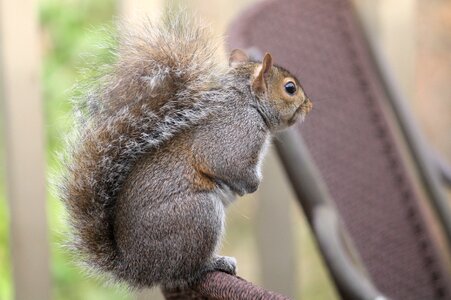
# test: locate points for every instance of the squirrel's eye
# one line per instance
(290, 87)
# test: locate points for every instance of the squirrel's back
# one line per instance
(165, 79)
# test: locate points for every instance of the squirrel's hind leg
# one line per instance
(203, 241)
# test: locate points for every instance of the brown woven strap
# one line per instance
(219, 285)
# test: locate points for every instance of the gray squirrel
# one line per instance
(166, 138)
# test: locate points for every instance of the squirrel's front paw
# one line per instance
(225, 264)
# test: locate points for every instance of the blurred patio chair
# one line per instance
(367, 158)
(367, 183)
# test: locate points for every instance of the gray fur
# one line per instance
(166, 139)
(173, 227)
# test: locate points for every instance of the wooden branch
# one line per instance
(218, 286)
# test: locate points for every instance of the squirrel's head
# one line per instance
(279, 96)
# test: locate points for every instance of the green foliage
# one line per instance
(70, 31)
(5, 266)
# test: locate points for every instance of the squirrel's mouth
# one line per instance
(305, 107)
(302, 111)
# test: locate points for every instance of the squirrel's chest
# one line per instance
(261, 155)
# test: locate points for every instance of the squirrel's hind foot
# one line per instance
(225, 264)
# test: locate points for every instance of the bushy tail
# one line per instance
(163, 80)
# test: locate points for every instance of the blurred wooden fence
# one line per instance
(24, 140)
(22, 106)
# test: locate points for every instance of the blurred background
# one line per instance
(415, 36)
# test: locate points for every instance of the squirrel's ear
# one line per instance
(262, 72)
(238, 57)
(266, 64)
